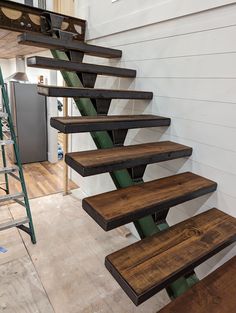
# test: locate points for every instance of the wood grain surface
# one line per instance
(41, 179)
(148, 266)
(216, 293)
(107, 160)
(119, 207)
(56, 64)
(93, 93)
(79, 124)
(48, 42)
(9, 47)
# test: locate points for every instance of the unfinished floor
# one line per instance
(64, 272)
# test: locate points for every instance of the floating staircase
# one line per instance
(162, 258)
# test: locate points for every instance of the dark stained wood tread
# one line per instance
(79, 124)
(56, 64)
(216, 293)
(48, 42)
(72, 92)
(108, 160)
(119, 207)
(146, 267)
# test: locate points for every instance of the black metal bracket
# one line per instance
(63, 35)
(160, 217)
(137, 173)
(88, 79)
(52, 24)
(102, 105)
(118, 136)
(75, 56)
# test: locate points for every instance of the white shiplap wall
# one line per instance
(186, 54)
(8, 67)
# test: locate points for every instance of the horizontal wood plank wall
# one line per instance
(189, 64)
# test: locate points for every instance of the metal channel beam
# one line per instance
(22, 18)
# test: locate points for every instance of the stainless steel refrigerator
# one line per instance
(29, 112)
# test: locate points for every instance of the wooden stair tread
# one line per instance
(56, 64)
(72, 92)
(216, 293)
(48, 42)
(144, 268)
(80, 124)
(122, 206)
(108, 160)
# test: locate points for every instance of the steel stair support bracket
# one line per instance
(102, 106)
(50, 22)
(137, 173)
(75, 56)
(145, 226)
(88, 79)
(160, 217)
(118, 136)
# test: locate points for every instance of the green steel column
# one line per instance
(145, 226)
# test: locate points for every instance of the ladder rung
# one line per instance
(3, 115)
(14, 223)
(6, 170)
(11, 197)
(6, 142)
(20, 202)
(15, 176)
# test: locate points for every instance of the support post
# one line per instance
(4, 159)
(66, 189)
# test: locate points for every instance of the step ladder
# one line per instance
(25, 223)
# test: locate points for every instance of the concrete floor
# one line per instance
(64, 272)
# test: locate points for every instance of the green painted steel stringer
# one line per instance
(145, 226)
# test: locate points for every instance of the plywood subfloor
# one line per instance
(65, 271)
(9, 47)
(41, 179)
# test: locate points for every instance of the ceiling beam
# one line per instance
(21, 18)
